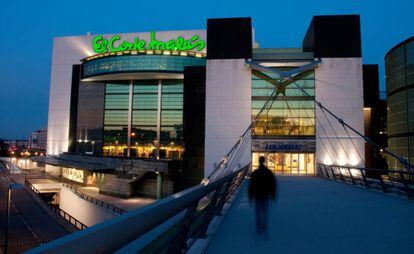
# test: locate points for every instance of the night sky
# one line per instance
(27, 29)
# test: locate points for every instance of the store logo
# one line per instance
(283, 147)
(114, 44)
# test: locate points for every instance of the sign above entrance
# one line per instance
(283, 147)
(116, 44)
(293, 146)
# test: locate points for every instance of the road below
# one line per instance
(30, 225)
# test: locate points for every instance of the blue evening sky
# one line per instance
(28, 27)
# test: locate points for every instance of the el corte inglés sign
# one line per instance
(116, 44)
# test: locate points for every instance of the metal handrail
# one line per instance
(119, 232)
(93, 200)
(72, 220)
(387, 181)
(69, 218)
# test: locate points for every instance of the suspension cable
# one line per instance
(352, 141)
(403, 161)
(225, 159)
(336, 135)
(316, 134)
(288, 75)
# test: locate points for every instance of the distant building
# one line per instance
(399, 69)
(38, 139)
(19, 144)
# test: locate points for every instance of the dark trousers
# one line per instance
(262, 215)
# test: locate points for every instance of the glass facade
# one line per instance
(290, 116)
(138, 63)
(155, 114)
(171, 133)
(399, 67)
(144, 118)
(116, 119)
(89, 124)
(287, 163)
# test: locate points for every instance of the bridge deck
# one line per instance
(314, 215)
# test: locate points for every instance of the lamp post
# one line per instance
(13, 186)
(93, 147)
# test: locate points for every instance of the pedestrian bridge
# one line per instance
(311, 215)
(316, 215)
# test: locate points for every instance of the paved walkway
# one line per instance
(315, 215)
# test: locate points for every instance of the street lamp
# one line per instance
(13, 186)
(93, 147)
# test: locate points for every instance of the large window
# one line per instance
(116, 119)
(171, 136)
(155, 118)
(144, 119)
(293, 111)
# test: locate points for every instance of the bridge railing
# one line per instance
(387, 181)
(165, 226)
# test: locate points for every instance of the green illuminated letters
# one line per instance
(114, 44)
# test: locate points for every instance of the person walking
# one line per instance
(262, 189)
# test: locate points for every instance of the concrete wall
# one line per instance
(68, 51)
(228, 109)
(147, 186)
(339, 88)
(115, 186)
(53, 170)
(84, 211)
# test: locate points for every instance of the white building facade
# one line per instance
(189, 95)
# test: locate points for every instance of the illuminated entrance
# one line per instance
(287, 163)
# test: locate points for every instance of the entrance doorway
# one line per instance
(287, 163)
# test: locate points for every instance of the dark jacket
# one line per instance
(262, 183)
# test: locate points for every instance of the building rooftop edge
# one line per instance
(409, 39)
